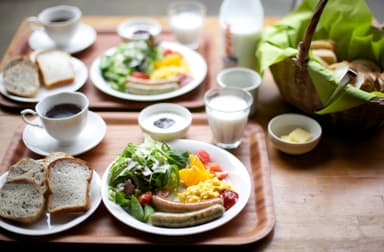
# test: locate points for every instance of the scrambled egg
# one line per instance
(204, 190)
(169, 67)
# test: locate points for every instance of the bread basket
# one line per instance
(294, 79)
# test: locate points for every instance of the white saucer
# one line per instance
(84, 37)
(38, 140)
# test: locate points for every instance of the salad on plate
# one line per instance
(144, 67)
(166, 187)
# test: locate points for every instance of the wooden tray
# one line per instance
(106, 39)
(253, 223)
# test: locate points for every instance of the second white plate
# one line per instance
(238, 177)
(81, 75)
(198, 68)
(50, 224)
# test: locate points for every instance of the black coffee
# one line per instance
(63, 110)
(60, 19)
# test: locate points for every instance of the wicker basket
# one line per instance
(296, 88)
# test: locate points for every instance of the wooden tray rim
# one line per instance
(264, 190)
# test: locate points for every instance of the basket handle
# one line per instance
(302, 58)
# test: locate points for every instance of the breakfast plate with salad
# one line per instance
(181, 187)
(142, 70)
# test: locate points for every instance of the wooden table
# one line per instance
(331, 199)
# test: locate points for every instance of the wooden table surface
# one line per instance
(331, 199)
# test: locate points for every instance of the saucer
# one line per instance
(84, 37)
(37, 139)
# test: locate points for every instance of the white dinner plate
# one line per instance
(197, 64)
(238, 177)
(83, 38)
(37, 139)
(81, 75)
(53, 224)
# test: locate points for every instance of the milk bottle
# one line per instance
(241, 25)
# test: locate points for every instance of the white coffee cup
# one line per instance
(59, 22)
(62, 115)
(241, 77)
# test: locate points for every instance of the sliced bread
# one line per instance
(21, 201)
(53, 156)
(21, 77)
(55, 68)
(29, 168)
(68, 182)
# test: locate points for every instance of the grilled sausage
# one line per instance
(187, 219)
(165, 205)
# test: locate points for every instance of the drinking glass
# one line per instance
(186, 21)
(227, 110)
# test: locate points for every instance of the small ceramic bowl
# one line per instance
(284, 124)
(134, 29)
(165, 121)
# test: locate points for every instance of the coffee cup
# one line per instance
(59, 22)
(241, 77)
(63, 115)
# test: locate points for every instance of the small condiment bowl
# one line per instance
(284, 124)
(165, 121)
(138, 28)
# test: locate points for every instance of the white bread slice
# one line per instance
(53, 156)
(21, 201)
(29, 169)
(55, 68)
(68, 185)
(21, 77)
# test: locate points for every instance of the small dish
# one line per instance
(84, 38)
(37, 139)
(137, 28)
(284, 124)
(165, 121)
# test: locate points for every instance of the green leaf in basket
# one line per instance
(350, 25)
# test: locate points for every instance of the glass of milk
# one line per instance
(227, 110)
(186, 20)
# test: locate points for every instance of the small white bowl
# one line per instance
(165, 121)
(133, 28)
(284, 124)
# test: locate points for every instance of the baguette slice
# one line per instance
(21, 201)
(68, 185)
(28, 168)
(21, 77)
(55, 68)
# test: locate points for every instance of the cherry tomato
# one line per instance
(145, 198)
(168, 52)
(140, 75)
(214, 167)
(221, 174)
(229, 197)
(203, 156)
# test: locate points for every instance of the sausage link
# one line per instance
(192, 218)
(165, 205)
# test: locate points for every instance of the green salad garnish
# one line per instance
(147, 167)
(129, 57)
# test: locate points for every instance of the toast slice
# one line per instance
(21, 201)
(55, 68)
(68, 182)
(28, 168)
(21, 77)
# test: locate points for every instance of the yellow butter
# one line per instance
(297, 135)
